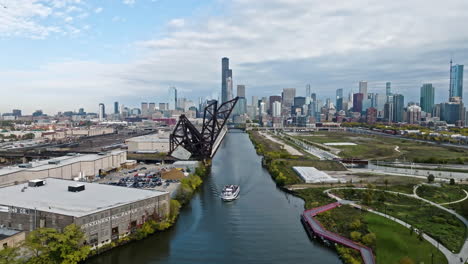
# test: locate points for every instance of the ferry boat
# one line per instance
(230, 192)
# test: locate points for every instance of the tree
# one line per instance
(355, 235)
(386, 183)
(452, 181)
(430, 178)
(369, 239)
(46, 245)
(29, 136)
(9, 255)
(420, 235)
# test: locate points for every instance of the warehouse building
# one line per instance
(85, 166)
(150, 143)
(105, 213)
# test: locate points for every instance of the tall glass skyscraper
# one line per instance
(226, 80)
(172, 98)
(388, 88)
(339, 99)
(398, 107)
(456, 81)
(427, 97)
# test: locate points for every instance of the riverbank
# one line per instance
(396, 245)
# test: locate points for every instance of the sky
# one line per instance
(61, 55)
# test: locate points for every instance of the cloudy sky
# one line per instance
(66, 54)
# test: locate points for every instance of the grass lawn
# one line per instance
(443, 194)
(462, 207)
(394, 242)
(314, 197)
(435, 222)
(378, 147)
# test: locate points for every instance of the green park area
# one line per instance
(385, 148)
(437, 223)
(390, 241)
(441, 194)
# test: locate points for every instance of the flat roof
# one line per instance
(312, 175)
(157, 138)
(54, 197)
(62, 161)
(5, 233)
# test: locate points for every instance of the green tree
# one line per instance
(452, 181)
(29, 136)
(430, 178)
(355, 235)
(46, 245)
(369, 239)
(9, 255)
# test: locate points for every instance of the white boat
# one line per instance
(230, 192)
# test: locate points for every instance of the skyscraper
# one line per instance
(276, 109)
(357, 102)
(172, 98)
(102, 112)
(339, 99)
(226, 76)
(363, 88)
(144, 109)
(388, 88)
(274, 98)
(288, 96)
(116, 108)
(456, 81)
(398, 107)
(427, 97)
(241, 90)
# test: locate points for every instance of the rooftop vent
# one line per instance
(25, 165)
(54, 162)
(76, 188)
(36, 183)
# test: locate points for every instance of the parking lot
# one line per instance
(143, 176)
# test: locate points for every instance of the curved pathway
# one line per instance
(454, 202)
(451, 257)
(315, 227)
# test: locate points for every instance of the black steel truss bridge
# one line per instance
(188, 142)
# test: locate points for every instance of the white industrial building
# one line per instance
(67, 167)
(149, 143)
(312, 175)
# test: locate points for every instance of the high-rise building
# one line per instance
(276, 109)
(453, 112)
(241, 90)
(413, 114)
(116, 108)
(427, 97)
(339, 99)
(144, 109)
(398, 107)
(163, 106)
(388, 89)
(151, 108)
(226, 74)
(102, 112)
(288, 97)
(172, 98)
(313, 96)
(371, 115)
(357, 102)
(274, 98)
(230, 85)
(456, 81)
(363, 88)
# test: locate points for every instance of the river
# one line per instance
(262, 226)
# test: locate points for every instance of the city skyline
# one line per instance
(55, 59)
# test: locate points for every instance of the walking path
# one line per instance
(459, 201)
(287, 147)
(318, 229)
(451, 257)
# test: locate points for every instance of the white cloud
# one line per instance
(272, 44)
(129, 2)
(178, 22)
(98, 10)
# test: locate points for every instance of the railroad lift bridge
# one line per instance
(188, 142)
